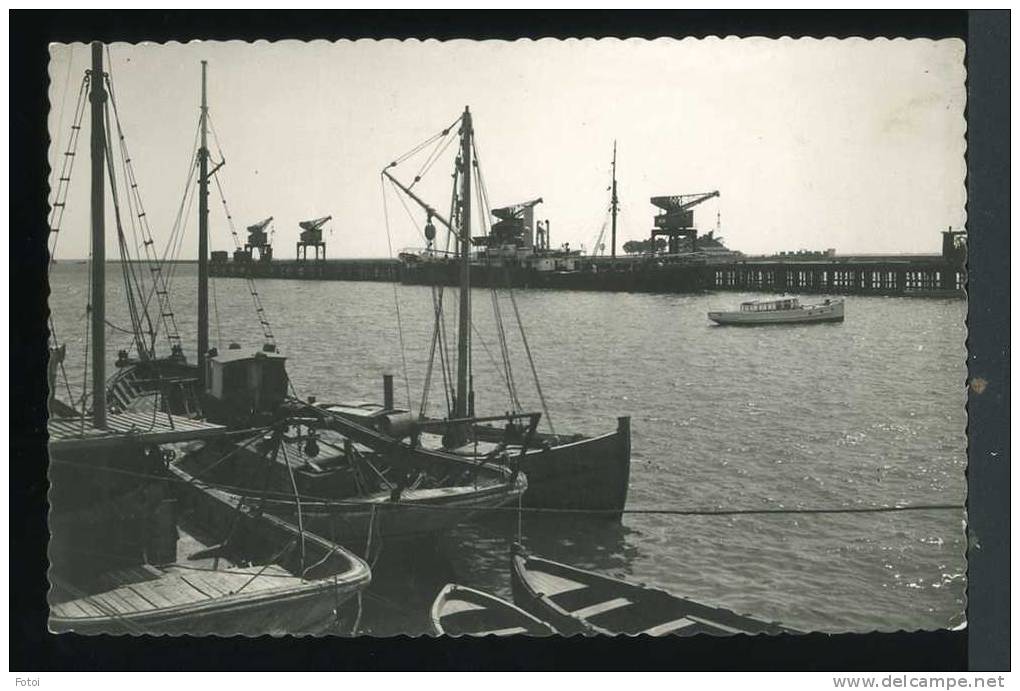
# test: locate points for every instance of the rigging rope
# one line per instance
(517, 314)
(131, 283)
(59, 203)
(260, 311)
(137, 211)
(171, 250)
(396, 295)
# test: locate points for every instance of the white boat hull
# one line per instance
(808, 314)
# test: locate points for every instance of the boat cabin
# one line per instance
(770, 305)
(244, 382)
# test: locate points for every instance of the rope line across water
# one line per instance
(665, 511)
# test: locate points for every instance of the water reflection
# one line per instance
(407, 576)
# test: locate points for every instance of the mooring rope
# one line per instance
(327, 502)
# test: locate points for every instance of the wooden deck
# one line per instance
(145, 428)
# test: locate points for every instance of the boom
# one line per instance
(314, 224)
(682, 202)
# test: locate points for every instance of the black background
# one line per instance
(987, 638)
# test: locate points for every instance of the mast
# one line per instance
(615, 204)
(98, 152)
(203, 237)
(461, 409)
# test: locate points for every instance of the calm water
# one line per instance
(865, 413)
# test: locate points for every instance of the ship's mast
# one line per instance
(615, 204)
(97, 95)
(462, 403)
(203, 236)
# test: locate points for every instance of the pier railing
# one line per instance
(921, 276)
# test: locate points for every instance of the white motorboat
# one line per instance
(783, 311)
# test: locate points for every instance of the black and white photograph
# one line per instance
(533, 338)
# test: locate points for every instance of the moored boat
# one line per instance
(462, 611)
(783, 311)
(354, 491)
(565, 471)
(573, 472)
(577, 601)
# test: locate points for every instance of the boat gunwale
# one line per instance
(443, 597)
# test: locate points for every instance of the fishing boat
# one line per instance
(136, 546)
(355, 493)
(172, 383)
(577, 601)
(462, 611)
(565, 471)
(782, 311)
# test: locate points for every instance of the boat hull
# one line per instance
(359, 525)
(591, 474)
(309, 611)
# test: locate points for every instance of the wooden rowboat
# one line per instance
(172, 558)
(577, 601)
(462, 611)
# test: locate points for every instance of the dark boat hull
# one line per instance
(591, 474)
(357, 525)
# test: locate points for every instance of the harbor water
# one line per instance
(865, 413)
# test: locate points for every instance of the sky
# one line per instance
(855, 144)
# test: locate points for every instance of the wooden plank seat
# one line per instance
(512, 631)
(579, 598)
(601, 607)
(674, 626)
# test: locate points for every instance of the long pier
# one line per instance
(905, 275)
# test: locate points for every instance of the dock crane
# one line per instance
(258, 239)
(311, 236)
(677, 219)
(516, 224)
